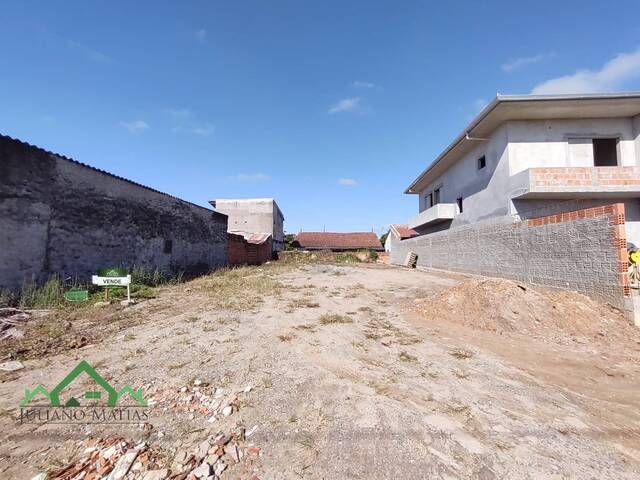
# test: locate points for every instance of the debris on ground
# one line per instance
(210, 401)
(12, 323)
(115, 458)
(11, 366)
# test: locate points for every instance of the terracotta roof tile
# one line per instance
(339, 241)
(403, 231)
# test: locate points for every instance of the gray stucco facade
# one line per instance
(58, 216)
(488, 171)
(248, 216)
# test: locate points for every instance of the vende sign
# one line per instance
(112, 278)
(111, 281)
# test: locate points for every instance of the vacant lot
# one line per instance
(342, 371)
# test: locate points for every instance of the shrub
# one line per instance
(347, 258)
(50, 295)
(373, 256)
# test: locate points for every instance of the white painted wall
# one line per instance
(566, 143)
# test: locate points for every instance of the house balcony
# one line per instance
(576, 182)
(440, 212)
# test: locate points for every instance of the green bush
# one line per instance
(347, 258)
(373, 255)
(49, 295)
(153, 277)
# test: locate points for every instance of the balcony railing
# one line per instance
(438, 213)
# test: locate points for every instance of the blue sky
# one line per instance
(331, 107)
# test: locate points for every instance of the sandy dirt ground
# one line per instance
(342, 371)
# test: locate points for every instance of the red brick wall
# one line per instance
(237, 249)
(585, 176)
(241, 252)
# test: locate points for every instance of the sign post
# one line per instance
(112, 278)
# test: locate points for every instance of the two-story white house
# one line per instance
(530, 155)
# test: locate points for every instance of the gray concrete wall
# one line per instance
(566, 143)
(518, 145)
(636, 134)
(254, 215)
(58, 216)
(536, 208)
(579, 255)
(484, 191)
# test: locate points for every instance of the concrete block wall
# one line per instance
(58, 216)
(583, 250)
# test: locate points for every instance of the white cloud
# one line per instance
(178, 113)
(201, 34)
(251, 178)
(347, 182)
(359, 84)
(346, 105)
(90, 53)
(518, 63)
(136, 126)
(204, 130)
(186, 121)
(612, 76)
(479, 104)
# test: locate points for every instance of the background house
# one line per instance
(250, 216)
(525, 156)
(397, 233)
(339, 242)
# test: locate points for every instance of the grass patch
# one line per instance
(331, 318)
(347, 258)
(303, 303)
(49, 295)
(242, 288)
(407, 357)
(175, 366)
(461, 353)
(285, 338)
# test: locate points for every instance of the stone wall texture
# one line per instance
(58, 216)
(583, 250)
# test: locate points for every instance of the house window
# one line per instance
(605, 152)
(459, 202)
(168, 245)
(428, 200)
(436, 196)
(482, 162)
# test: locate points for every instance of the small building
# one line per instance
(339, 242)
(253, 216)
(397, 233)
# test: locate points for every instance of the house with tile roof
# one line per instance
(396, 233)
(339, 242)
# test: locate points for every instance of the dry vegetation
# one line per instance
(355, 371)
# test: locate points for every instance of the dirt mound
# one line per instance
(504, 306)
